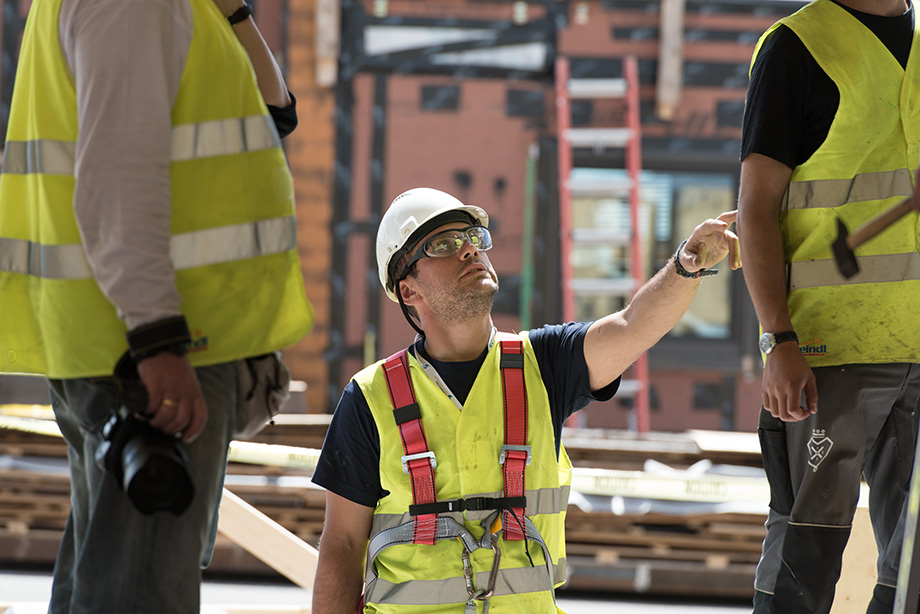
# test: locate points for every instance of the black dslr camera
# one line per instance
(149, 465)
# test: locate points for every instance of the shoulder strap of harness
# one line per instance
(515, 454)
(419, 462)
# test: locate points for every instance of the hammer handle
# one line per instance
(878, 224)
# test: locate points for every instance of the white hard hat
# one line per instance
(411, 216)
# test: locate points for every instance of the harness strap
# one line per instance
(450, 529)
(473, 504)
(533, 534)
(515, 455)
(445, 528)
(419, 462)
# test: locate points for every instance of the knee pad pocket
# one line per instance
(776, 465)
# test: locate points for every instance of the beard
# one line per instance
(461, 306)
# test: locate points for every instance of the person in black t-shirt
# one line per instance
(828, 133)
(431, 252)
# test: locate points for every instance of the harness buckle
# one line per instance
(410, 457)
(506, 449)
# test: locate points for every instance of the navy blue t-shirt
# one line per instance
(349, 463)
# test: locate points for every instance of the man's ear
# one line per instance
(408, 291)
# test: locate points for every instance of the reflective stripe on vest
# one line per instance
(514, 581)
(821, 193)
(539, 501)
(884, 268)
(189, 142)
(41, 156)
(187, 250)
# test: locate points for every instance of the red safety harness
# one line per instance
(420, 462)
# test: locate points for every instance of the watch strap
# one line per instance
(679, 268)
(240, 14)
(786, 335)
(166, 335)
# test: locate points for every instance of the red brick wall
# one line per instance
(311, 152)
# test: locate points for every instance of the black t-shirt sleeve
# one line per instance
(349, 462)
(285, 118)
(560, 352)
(791, 102)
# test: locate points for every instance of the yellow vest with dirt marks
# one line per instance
(864, 167)
(408, 578)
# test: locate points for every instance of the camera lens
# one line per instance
(155, 475)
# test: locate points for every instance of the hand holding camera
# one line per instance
(176, 405)
(150, 465)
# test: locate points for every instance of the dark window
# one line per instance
(582, 111)
(524, 103)
(440, 97)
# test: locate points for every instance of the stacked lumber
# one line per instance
(700, 555)
(614, 542)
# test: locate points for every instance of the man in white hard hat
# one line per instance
(446, 480)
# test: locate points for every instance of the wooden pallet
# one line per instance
(693, 554)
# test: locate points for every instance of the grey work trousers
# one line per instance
(865, 425)
(114, 559)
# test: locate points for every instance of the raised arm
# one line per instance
(340, 569)
(614, 342)
(268, 73)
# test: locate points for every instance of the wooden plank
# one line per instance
(670, 58)
(327, 42)
(858, 576)
(267, 540)
(906, 597)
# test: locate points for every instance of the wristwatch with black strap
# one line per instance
(240, 15)
(768, 341)
(680, 270)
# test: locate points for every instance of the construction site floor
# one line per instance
(28, 593)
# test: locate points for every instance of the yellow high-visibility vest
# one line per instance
(864, 166)
(467, 447)
(233, 241)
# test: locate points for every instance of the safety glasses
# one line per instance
(450, 242)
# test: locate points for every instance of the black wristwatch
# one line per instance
(240, 14)
(768, 341)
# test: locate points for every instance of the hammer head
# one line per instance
(843, 254)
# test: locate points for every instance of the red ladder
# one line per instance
(630, 138)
